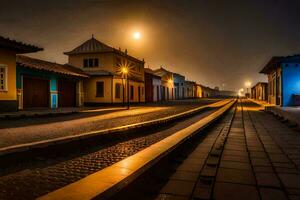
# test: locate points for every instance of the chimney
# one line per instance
(126, 51)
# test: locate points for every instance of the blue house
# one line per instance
(283, 80)
(43, 84)
(179, 84)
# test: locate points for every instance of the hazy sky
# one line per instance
(213, 42)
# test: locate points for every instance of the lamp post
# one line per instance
(248, 84)
(125, 72)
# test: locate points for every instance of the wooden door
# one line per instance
(35, 92)
(66, 93)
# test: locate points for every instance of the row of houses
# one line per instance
(95, 74)
(283, 86)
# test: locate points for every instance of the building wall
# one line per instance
(274, 87)
(89, 88)
(190, 89)
(149, 87)
(106, 61)
(53, 81)
(259, 92)
(179, 84)
(169, 86)
(156, 89)
(8, 98)
(290, 82)
(199, 91)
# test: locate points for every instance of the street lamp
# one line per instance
(247, 84)
(125, 72)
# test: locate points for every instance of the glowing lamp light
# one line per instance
(136, 35)
(248, 84)
(124, 70)
(170, 81)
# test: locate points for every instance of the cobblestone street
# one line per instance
(37, 180)
(22, 131)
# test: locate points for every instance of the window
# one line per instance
(100, 89)
(85, 63)
(3, 78)
(118, 91)
(90, 62)
(96, 62)
(131, 92)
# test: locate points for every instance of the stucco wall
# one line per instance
(106, 61)
(290, 81)
(8, 59)
(89, 88)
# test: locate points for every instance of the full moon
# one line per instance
(136, 35)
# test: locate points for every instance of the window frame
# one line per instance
(131, 92)
(96, 62)
(5, 78)
(97, 94)
(118, 92)
(85, 63)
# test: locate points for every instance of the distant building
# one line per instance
(167, 82)
(43, 84)
(179, 83)
(206, 91)
(260, 91)
(153, 86)
(190, 89)
(104, 65)
(283, 80)
(8, 88)
(198, 91)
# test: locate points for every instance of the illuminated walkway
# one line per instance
(260, 159)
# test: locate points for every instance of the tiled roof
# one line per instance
(18, 47)
(259, 83)
(90, 46)
(95, 46)
(100, 73)
(33, 63)
(277, 60)
(162, 72)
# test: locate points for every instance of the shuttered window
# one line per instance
(90, 62)
(3, 78)
(131, 92)
(100, 89)
(118, 90)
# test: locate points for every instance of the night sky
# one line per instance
(213, 42)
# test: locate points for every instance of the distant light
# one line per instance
(247, 84)
(136, 35)
(170, 81)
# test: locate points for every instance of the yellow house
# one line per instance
(108, 68)
(8, 91)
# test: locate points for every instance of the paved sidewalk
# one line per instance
(258, 158)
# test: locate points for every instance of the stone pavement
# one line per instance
(14, 132)
(258, 157)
